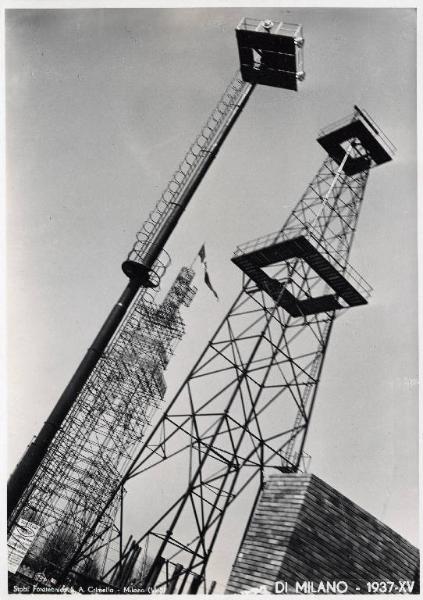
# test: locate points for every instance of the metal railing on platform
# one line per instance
(328, 251)
(289, 29)
(361, 115)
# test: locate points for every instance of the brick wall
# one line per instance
(303, 530)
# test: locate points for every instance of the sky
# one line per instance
(101, 106)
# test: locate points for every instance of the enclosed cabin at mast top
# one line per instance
(309, 239)
(270, 53)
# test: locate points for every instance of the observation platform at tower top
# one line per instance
(270, 53)
(371, 147)
(348, 286)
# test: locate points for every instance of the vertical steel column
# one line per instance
(174, 579)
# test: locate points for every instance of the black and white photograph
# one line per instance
(211, 293)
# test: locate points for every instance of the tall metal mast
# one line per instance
(270, 54)
(246, 404)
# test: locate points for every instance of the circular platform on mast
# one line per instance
(140, 273)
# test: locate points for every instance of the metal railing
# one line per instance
(361, 115)
(332, 255)
(282, 28)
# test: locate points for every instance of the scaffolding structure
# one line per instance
(246, 405)
(91, 452)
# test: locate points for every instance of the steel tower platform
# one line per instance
(371, 144)
(348, 285)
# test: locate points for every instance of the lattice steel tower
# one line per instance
(247, 402)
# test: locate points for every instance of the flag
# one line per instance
(208, 283)
(202, 255)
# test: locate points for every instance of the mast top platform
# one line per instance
(371, 145)
(270, 53)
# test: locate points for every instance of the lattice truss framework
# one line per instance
(101, 433)
(246, 404)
